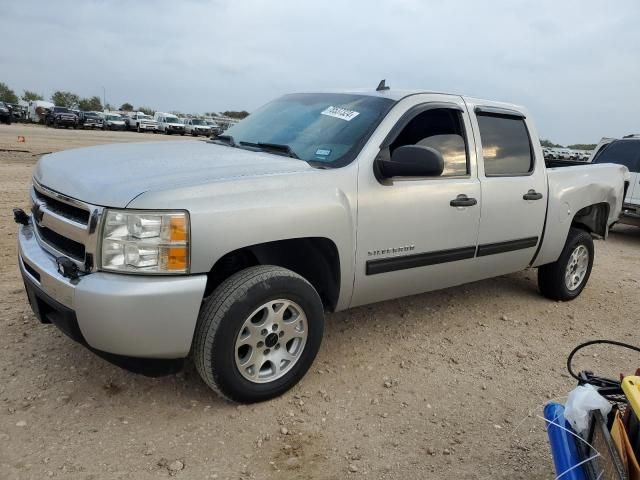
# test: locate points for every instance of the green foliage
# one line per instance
(234, 114)
(126, 107)
(583, 146)
(146, 110)
(63, 98)
(29, 96)
(6, 94)
(90, 104)
(549, 144)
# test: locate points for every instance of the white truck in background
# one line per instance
(141, 122)
(169, 123)
(38, 110)
(624, 151)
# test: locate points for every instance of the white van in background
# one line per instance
(37, 110)
(169, 123)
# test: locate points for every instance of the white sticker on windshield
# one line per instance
(341, 113)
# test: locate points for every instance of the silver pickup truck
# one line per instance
(230, 251)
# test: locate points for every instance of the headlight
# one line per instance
(145, 242)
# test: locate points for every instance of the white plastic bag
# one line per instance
(582, 400)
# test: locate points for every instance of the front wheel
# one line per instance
(566, 277)
(258, 333)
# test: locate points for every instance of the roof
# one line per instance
(398, 94)
(392, 94)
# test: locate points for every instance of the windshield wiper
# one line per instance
(272, 148)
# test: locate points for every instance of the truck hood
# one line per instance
(113, 175)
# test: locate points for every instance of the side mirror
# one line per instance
(413, 161)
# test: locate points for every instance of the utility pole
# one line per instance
(104, 98)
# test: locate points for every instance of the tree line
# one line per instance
(575, 146)
(63, 98)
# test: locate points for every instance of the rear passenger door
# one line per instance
(514, 189)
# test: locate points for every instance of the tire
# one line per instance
(233, 308)
(552, 279)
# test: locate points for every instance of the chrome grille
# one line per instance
(65, 226)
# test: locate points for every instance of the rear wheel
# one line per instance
(566, 278)
(258, 333)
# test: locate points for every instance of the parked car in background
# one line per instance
(38, 110)
(231, 251)
(215, 128)
(625, 151)
(90, 120)
(61, 117)
(6, 114)
(196, 126)
(141, 122)
(18, 110)
(113, 121)
(169, 123)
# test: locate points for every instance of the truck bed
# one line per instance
(563, 163)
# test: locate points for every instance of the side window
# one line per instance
(443, 130)
(506, 147)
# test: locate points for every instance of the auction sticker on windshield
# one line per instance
(341, 113)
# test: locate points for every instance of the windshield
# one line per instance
(197, 122)
(144, 117)
(114, 117)
(172, 120)
(327, 128)
(61, 110)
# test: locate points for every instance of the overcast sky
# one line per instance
(574, 64)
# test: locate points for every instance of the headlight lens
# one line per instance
(145, 242)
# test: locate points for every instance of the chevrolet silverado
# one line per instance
(231, 251)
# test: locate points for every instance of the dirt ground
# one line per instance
(445, 385)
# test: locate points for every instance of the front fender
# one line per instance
(229, 215)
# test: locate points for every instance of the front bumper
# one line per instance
(148, 126)
(127, 315)
(65, 121)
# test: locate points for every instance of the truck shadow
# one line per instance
(179, 393)
(626, 234)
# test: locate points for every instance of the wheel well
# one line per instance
(316, 259)
(593, 219)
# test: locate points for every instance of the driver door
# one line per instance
(412, 235)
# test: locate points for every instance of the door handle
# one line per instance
(463, 201)
(532, 195)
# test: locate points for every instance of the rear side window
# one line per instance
(623, 152)
(506, 147)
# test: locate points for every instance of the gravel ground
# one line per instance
(444, 385)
